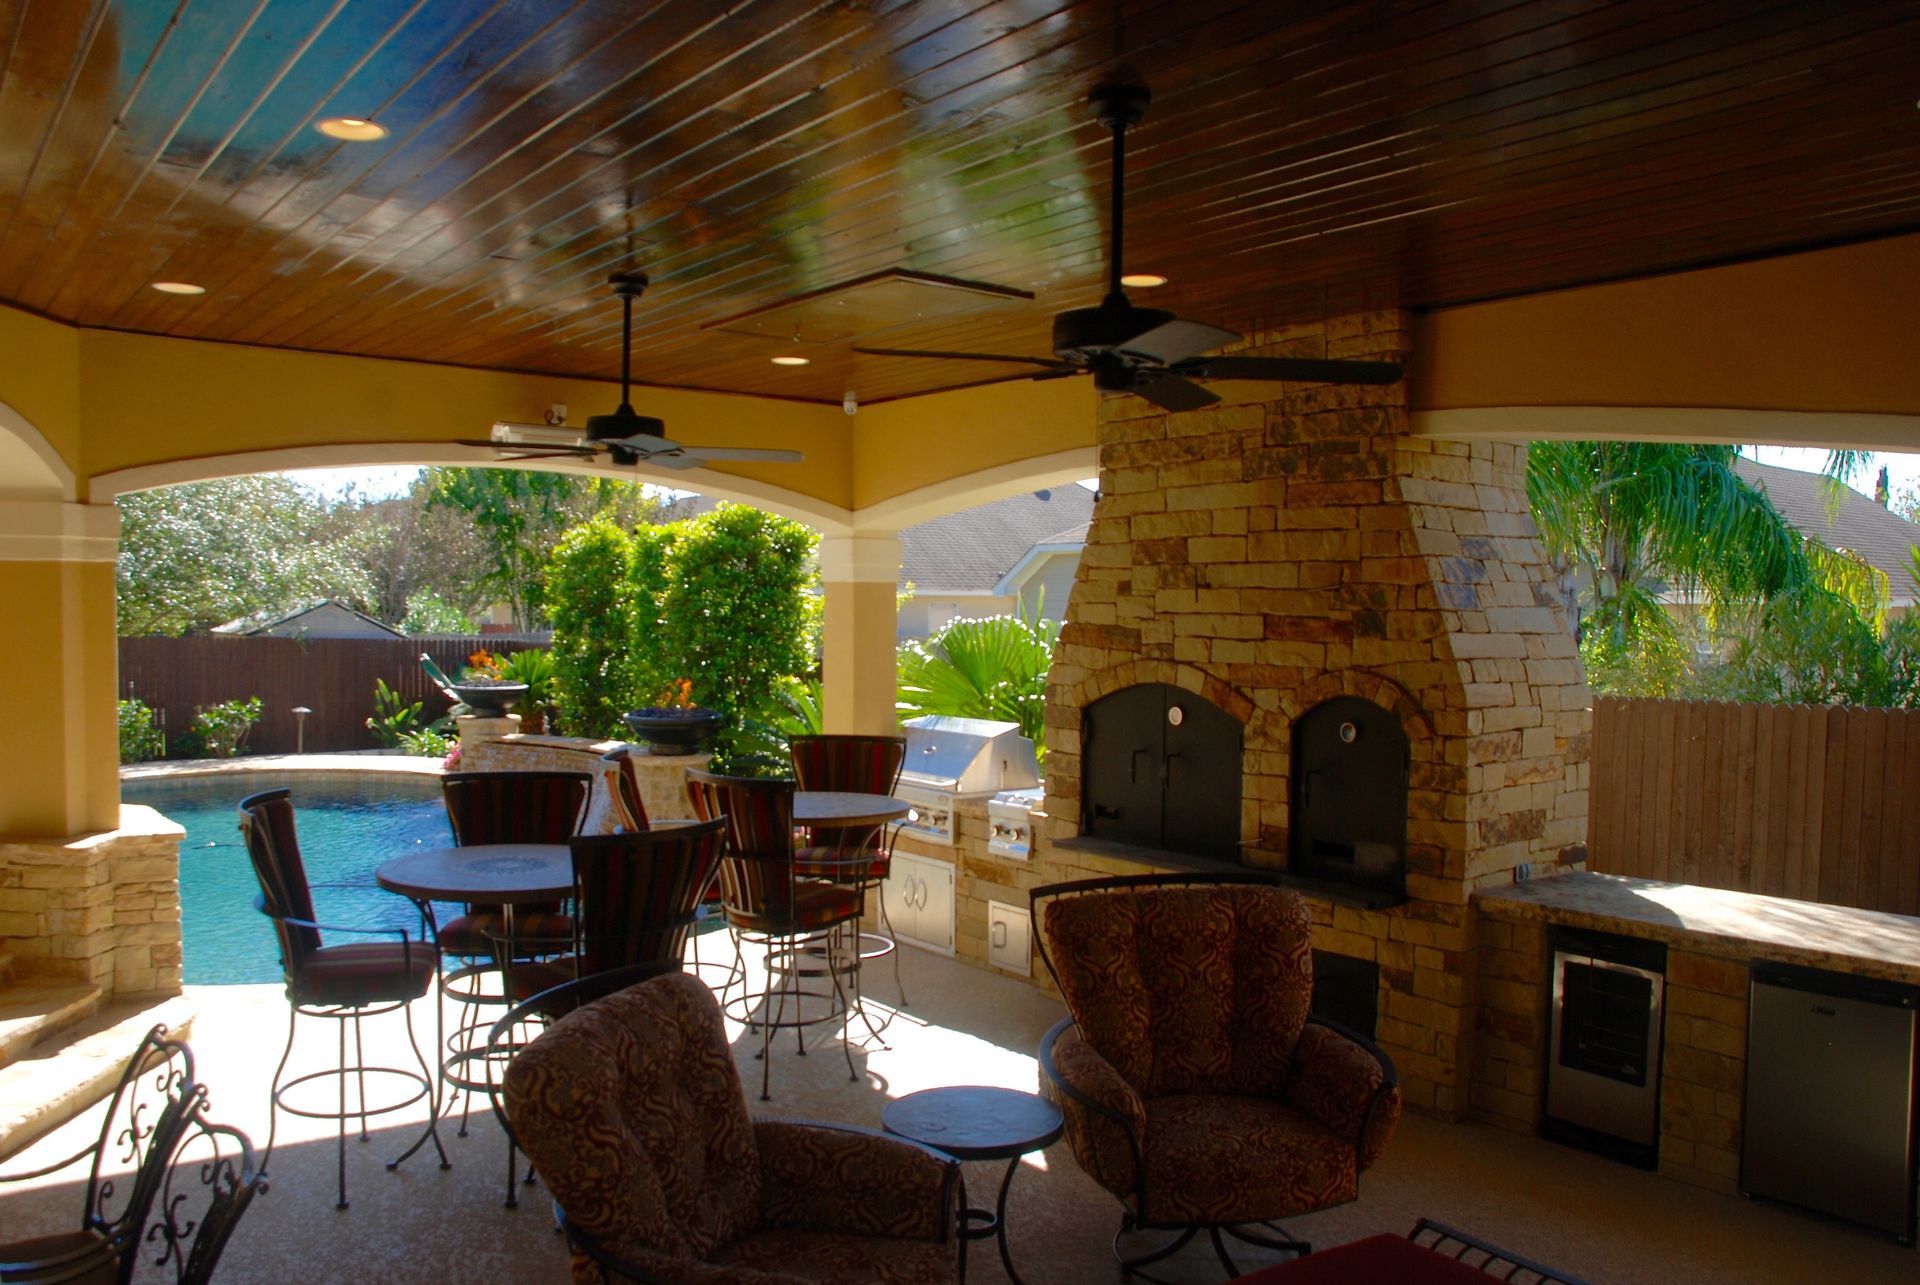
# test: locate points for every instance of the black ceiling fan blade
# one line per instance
(1060, 371)
(1176, 341)
(1173, 392)
(1301, 369)
(1048, 362)
(526, 450)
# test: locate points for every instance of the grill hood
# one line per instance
(968, 755)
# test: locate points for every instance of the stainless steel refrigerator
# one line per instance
(1830, 1095)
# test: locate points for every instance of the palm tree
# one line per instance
(1629, 519)
(993, 667)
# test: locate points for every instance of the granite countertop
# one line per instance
(1867, 943)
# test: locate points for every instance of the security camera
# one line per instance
(850, 403)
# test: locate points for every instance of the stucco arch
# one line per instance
(105, 487)
(968, 490)
(30, 469)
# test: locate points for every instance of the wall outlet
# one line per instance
(1523, 872)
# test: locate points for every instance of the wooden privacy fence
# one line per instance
(331, 676)
(1820, 803)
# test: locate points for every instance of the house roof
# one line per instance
(1071, 540)
(1856, 524)
(969, 551)
(246, 626)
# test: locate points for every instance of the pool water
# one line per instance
(348, 825)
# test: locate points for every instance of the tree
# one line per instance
(200, 554)
(993, 667)
(428, 613)
(519, 516)
(1784, 617)
(412, 550)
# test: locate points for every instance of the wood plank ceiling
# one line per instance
(1298, 159)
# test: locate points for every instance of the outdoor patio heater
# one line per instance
(951, 759)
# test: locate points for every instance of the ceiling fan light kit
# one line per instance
(624, 435)
(1150, 351)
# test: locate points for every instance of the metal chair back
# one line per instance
(623, 782)
(636, 895)
(273, 845)
(756, 872)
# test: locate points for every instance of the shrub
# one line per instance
(393, 715)
(590, 600)
(654, 663)
(222, 729)
(140, 738)
(534, 667)
(426, 743)
(737, 614)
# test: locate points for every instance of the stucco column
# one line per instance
(859, 574)
(59, 766)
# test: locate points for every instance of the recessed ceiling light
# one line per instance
(1143, 280)
(178, 287)
(792, 361)
(351, 128)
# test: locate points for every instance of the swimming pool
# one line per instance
(349, 823)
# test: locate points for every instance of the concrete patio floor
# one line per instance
(1594, 1218)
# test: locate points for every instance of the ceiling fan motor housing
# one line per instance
(1082, 334)
(622, 424)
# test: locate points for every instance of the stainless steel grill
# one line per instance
(949, 759)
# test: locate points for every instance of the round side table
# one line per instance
(976, 1122)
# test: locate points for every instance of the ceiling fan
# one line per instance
(1150, 351)
(624, 436)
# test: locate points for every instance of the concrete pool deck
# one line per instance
(349, 762)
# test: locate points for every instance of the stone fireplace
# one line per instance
(1365, 605)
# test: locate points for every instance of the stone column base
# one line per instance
(101, 909)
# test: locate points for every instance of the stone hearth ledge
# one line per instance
(1864, 943)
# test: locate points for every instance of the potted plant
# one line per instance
(674, 724)
(534, 667)
(484, 690)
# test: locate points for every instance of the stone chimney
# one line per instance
(1295, 544)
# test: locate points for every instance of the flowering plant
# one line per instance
(482, 664)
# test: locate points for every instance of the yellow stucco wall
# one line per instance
(40, 378)
(920, 442)
(1831, 330)
(147, 400)
(62, 777)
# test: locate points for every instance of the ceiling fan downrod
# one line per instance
(1118, 107)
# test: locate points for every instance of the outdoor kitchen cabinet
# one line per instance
(919, 897)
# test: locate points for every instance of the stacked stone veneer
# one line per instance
(1270, 554)
(99, 909)
(497, 745)
(1703, 1059)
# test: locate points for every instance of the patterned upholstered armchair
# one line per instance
(1195, 1084)
(633, 1113)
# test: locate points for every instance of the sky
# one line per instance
(1903, 471)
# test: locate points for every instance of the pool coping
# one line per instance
(345, 764)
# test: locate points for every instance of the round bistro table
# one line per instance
(976, 1122)
(505, 874)
(850, 810)
(833, 808)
